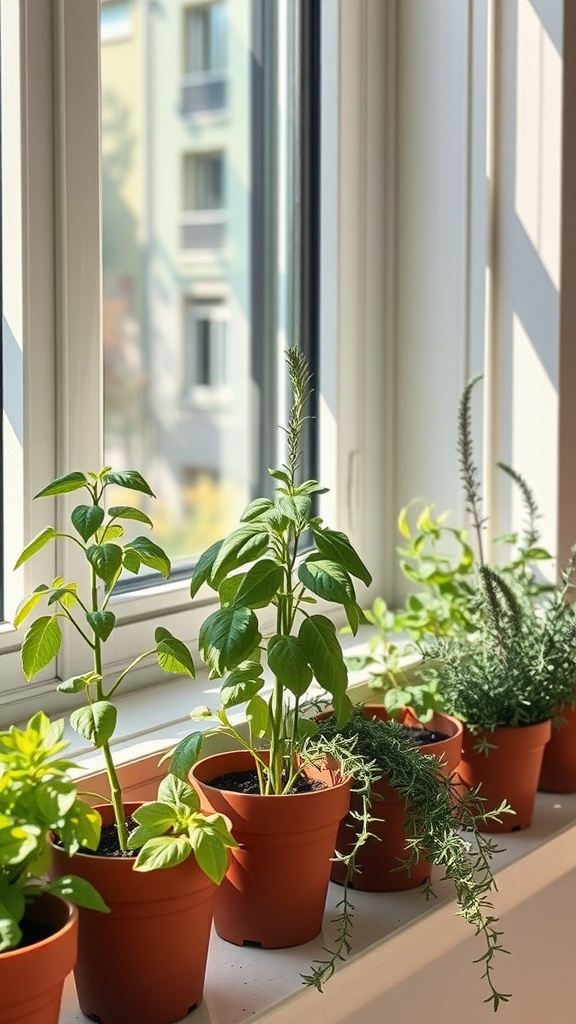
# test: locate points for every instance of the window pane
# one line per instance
(190, 278)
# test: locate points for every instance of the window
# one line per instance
(204, 82)
(206, 350)
(204, 216)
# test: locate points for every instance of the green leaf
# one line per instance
(185, 755)
(227, 637)
(537, 554)
(96, 723)
(78, 891)
(243, 545)
(202, 572)
(156, 818)
(41, 644)
(63, 485)
(296, 509)
(86, 519)
(178, 793)
(209, 850)
(335, 546)
(28, 604)
(258, 715)
(279, 474)
(130, 479)
(151, 555)
(76, 684)
(163, 852)
(288, 661)
(40, 540)
(173, 655)
(102, 623)
(131, 561)
(128, 512)
(327, 579)
(324, 654)
(241, 685)
(256, 509)
(112, 532)
(106, 560)
(260, 584)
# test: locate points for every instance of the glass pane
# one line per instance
(191, 337)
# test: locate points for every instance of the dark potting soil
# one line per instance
(108, 845)
(32, 932)
(421, 736)
(247, 783)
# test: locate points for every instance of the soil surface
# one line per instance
(32, 932)
(108, 845)
(247, 783)
(420, 735)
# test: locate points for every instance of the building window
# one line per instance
(115, 20)
(206, 340)
(204, 83)
(204, 216)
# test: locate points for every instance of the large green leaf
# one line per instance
(79, 891)
(156, 817)
(241, 684)
(102, 623)
(209, 850)
(336, 547)
(258, 715)
(260, 584)
(287, 658)
(243, 545)
(87, 519)
(185, 755)
(324, 654)
(96, 722)
(29, 603)
(256, 509)
(106, 559)
(178, 793)
(227, 637)
(202, 571)
(128, 512)
(296, 508)
(42, 538)
(130, 479)
(41, 644)
(327, 579)
(76, 684)
(173, 655)
(150, 554)
(163, 852)
(63, 485)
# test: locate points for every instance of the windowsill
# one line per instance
(395, 935)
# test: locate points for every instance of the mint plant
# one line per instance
(99, 533)
(283, 557)
(37, 797)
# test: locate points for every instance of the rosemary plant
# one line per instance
(437, 813)
(288, 581)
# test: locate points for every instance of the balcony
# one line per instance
(202, 230)
(203, 92)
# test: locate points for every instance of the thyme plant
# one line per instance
(293, 561)
(437, 815)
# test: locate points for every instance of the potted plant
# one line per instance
(410, 816)
(152, 947)
(38, 924)
(507, 678)
(281, 558)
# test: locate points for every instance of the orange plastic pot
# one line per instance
(145, 961)
(275, 889)
(32, 978)
(380, 859)
(558, 772)
(509, 771)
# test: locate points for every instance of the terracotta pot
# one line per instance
(145, 961)
(381, 857)
(275, 890)
(509, 772)
(558, 773)
(31, 979)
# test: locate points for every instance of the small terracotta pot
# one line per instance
(145, 961)
(275, 890)
(509, 771)
(32, 978)
(558, 773)
(381, 857)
